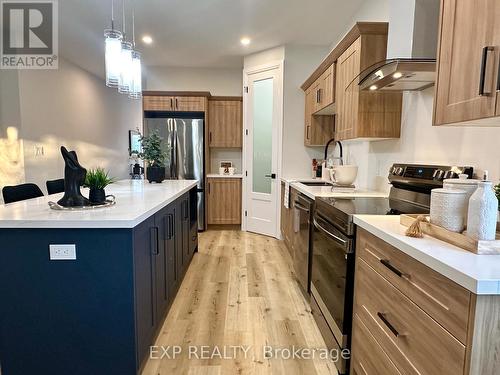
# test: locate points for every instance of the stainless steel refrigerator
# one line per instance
(183, 136)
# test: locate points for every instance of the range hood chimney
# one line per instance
(411, 49)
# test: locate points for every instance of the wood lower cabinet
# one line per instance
(468, 63)
(408, 319)
(225, 122)
(224, 200)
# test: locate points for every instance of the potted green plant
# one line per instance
(96, 180)
(153, 154)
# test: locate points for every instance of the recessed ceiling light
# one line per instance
(373, 87)
(147, 39)
(245, 41)
(397, 75)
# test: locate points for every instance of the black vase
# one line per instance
(97, 196)
(155, 174)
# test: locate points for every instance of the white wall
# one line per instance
(421, 142)
(73, 107)
(300, 62)
(11, 146)
(219, 82)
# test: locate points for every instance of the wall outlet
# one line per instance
(62, 252)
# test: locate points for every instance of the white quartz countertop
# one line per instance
(327, 191)
(215, 175)
(136, 200)
(478, 273)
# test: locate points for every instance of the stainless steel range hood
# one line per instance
(411, 49)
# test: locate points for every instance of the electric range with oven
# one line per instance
(333, 244)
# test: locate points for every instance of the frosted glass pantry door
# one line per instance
(263, 114)
(262, 135)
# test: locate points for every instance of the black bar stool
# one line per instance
(55, 186)
(20, 192)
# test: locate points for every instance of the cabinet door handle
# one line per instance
(209, 137)
(498, 78)
(186, 213)
(209, 188)
(176, 104)
(153, 234)
(168, 227)
(484, 62)
(307, 132)
(171, 103)
(388, 324)
(386, 263)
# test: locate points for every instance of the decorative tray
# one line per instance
(457, 239)
(110, 201)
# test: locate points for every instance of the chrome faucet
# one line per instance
(341, 157)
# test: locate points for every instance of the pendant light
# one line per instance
(113, 47)
(136, 71)
(126, 61)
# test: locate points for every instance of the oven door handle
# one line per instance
(330, 234)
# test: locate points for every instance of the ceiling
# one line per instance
(201, 33)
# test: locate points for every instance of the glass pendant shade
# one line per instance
(136, 75)
(113, 53)
(126, 68)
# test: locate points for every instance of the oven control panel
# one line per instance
(433, 174)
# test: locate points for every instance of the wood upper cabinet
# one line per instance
(224, 200)
(362, 114)
(333, 89)
(326, 89)
(318, 129)
(468, 62)
(190, 103)
(158, 103)
(225, 123)
(174, 103)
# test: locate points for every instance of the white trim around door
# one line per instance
(262, 148)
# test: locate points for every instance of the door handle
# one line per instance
(484, 62)
(171, 103)
(176, 104)
(272, 175)
(210, 138)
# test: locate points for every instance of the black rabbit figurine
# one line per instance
(74, 177)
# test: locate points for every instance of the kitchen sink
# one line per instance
(316, 183)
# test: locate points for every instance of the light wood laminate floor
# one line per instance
(238, 290)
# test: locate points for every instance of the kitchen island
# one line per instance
(99, 309)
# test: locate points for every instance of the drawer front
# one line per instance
(445, 301)
(411, 338)
(368, 358)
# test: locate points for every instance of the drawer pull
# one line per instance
(386, 263)
(389, 325)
